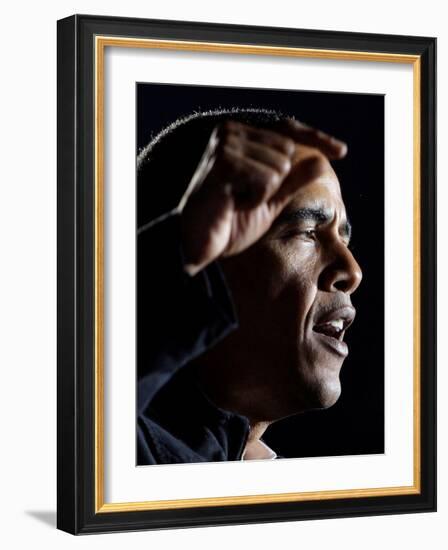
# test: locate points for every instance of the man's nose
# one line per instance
(342, 272)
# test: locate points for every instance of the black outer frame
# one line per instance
(75, 380)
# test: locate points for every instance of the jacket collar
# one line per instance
(189, 427)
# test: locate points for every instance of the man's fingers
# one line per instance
(285, 136)
(301, 133)
(249, 181)
(261, 153)
(305, 171)
(254, 164)
(282, 143)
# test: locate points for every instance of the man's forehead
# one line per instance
(323, 194)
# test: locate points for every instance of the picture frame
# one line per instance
(82, 202)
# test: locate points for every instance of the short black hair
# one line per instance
(166, 165)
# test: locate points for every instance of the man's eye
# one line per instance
(308, 234)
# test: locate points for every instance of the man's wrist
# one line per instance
(194, 259)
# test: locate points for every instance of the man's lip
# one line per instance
(336, 346)
(346, 313)
(321, 330)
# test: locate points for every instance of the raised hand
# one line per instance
(244, 180)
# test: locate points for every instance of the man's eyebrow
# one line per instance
(319, 215)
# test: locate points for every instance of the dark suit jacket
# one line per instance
(178, 318)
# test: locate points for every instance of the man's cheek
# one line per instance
(298, 277)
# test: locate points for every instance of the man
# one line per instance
(243, 287)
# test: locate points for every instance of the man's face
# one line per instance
(292, 294)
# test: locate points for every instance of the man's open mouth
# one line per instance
(334, 328)
(333, 325)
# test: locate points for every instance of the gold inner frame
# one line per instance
(101, 42)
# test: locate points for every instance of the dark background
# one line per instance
(355, 424)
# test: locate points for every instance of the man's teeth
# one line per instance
(334, 328)
(331, 328)
(338, 324)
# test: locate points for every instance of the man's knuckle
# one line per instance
(271, 178)
(287, 145)
(284, 165)
(315, 164)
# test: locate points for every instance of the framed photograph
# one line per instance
(246, 274)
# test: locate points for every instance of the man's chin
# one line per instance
(326, 394)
